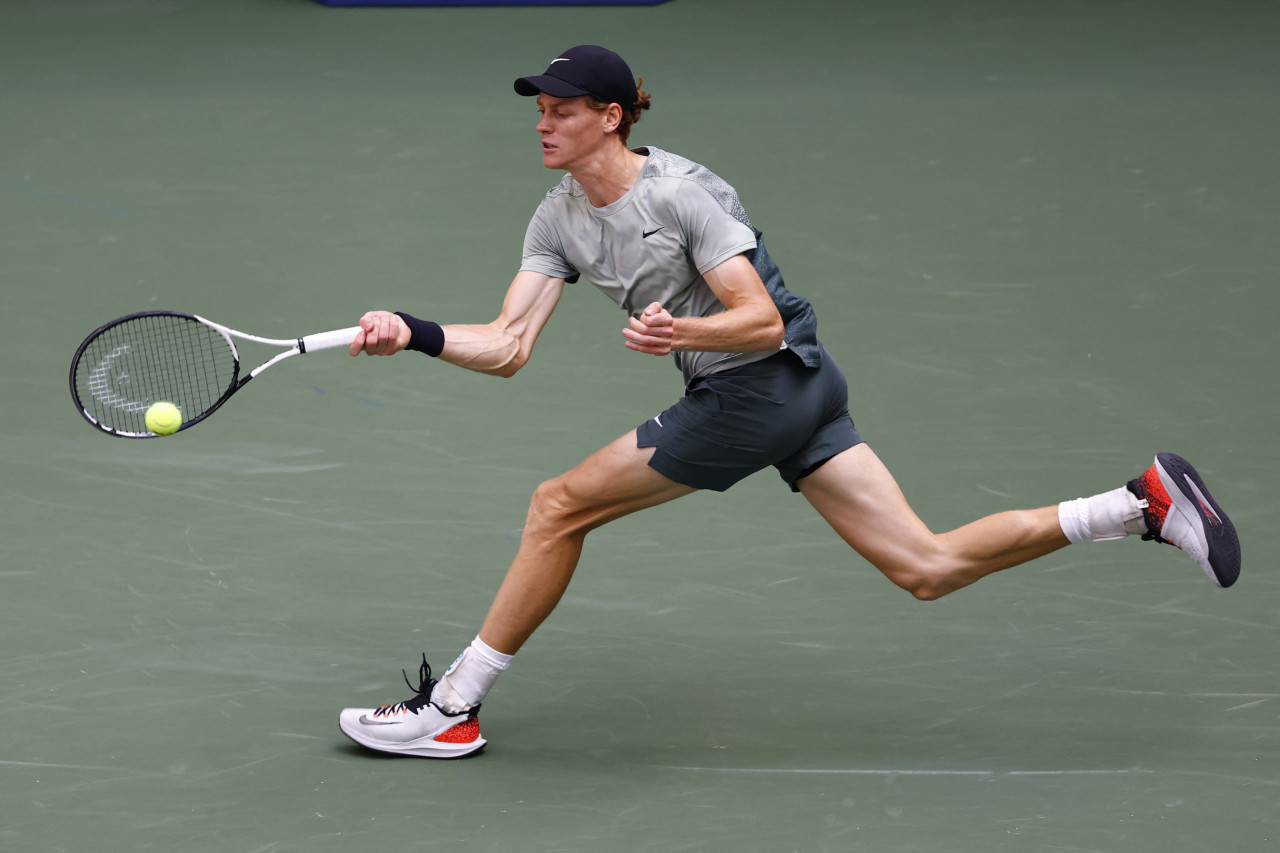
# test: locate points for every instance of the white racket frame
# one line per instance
(297, 346)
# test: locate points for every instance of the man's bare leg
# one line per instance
(859, 498)
(612, 482)
(440, 722)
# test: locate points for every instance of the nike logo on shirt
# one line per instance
(647, 234)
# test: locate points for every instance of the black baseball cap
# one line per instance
(587, 69)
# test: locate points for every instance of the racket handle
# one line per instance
(328, 340)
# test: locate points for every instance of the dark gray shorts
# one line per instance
(772, 412)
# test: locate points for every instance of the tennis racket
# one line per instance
(127, 365)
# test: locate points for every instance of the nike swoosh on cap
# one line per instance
(561, 59)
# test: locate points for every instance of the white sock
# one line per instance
(1073, 516)
(468, 680)
(1110, 515)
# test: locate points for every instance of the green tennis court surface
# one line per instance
(1041, 243)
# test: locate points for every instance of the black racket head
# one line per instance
(155, 356)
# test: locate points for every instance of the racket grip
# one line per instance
(328, 340)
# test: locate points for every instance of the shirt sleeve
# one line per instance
(712, 234)
(543, 251)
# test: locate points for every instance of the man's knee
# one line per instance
(924, 587)
(925, 579)
(552, 509)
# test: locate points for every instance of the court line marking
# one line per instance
(50, 766)
(853, 771)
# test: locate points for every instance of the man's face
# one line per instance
(571, 131)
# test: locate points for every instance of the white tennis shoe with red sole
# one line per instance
(417, 727)
(1179, 511)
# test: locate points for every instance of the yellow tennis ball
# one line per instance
(163, 418)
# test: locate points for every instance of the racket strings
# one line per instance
(151, 358)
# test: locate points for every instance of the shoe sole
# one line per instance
(423, 747)
(1190, 497)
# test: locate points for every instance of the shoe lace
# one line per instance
(423, 692)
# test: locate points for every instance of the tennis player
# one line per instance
(671, 244)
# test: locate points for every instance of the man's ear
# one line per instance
(612, 118)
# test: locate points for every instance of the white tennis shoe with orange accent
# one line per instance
(1179, 511)
(417, 727)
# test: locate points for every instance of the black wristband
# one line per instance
(424, 335)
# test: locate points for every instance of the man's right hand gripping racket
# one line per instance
(130, 364)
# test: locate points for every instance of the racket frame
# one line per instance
(295, 346)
